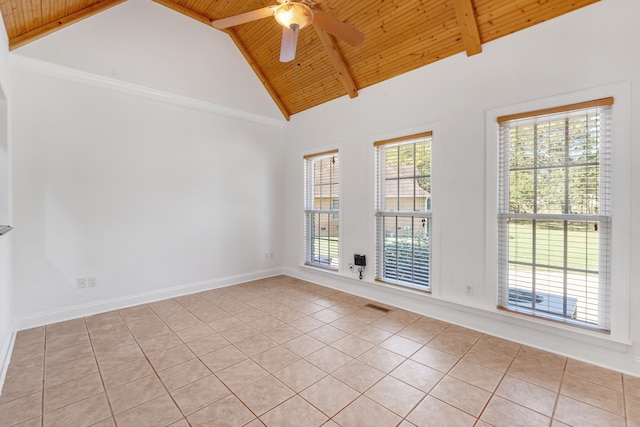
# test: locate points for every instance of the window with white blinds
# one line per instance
(554, 213)
(322, 209)
(403, 210)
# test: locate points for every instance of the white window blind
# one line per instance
(554, 213)
(322, 209)
(403, 210)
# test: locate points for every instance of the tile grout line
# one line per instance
(404, 418)
(297, 394)
(69, 381)
(388, 374)
(246, 320)
(146, 358)
(113, 418)
(104, 386)
(155, 371)
(624, 403)
(197, 357)
(450, 369)
(504, 374)
(558, 392)
(44, 373)
(231, 392)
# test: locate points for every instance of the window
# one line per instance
(322, 209)
(554, 213)
(403, 210)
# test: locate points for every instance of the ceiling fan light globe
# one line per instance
(293, 13)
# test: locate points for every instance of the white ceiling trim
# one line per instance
(66, 73)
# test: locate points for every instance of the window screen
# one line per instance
(554, 216)
(403, 211)
(322, 210)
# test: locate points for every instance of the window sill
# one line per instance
(496, 318)
(404, 286)
(315, 267)
(569, 331)
(375, 282)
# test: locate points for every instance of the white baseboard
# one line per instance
(5, 358)
(575, 344)
(581, 345)
(82, 310)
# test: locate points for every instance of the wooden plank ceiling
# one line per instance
(400, 36)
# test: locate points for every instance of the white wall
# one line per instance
(589, 48)
(147, 44)
(147, 154)
(6, 308)
(156, 199)
(151, 199)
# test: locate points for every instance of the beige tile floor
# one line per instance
(283, 352)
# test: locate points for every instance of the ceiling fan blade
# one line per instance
(333, 25)
(289, 44)
(243, 18)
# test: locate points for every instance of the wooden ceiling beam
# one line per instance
(401, 36)
(468, 27)
(337, 61)
(247, 56)
(36, 33)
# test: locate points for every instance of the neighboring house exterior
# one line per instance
(399, 195)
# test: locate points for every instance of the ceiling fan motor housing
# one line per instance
(294, 14)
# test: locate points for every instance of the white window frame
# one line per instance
(332, 213)
(620, 207)
(551, 283)
(381, 214)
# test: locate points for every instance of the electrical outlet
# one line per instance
(91, 282)
(82, 282)
(468, 290)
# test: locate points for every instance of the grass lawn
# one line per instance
(325, 247)
(582, 244)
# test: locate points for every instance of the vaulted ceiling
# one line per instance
(400, 36)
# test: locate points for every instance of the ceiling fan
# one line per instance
(294, 15)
